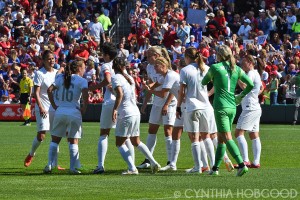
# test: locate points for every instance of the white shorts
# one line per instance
(44, 124)
(157, 118)
(128, 126)
(106, 117)
(249, 120)
(200, 121)
(67, 123)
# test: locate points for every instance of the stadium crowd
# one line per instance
(76, 30)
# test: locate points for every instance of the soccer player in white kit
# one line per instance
(127, 116)
(199, 121)
(171, 84)
(106, 123)
(44, 112)
(166, 105)
(250, 116)
(70, 87)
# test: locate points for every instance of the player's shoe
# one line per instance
(205, 169)
(75, 171)
(28, 124)
(229, 166)
(47, 169)
(28, 160)
(254, 166)
(214, 173)
(144, 165)
(248, 164)
(155, 168)
(129, 172)
(168, 168)
(193, 170)
(242, 171)
(99, 170)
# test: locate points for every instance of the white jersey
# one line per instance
(67, 99)
(128, 105)
(109, 98)
(250, 101)
(155, 77)
(171, 82)
(44, 80)
(196, 93)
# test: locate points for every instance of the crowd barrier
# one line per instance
(270, 114)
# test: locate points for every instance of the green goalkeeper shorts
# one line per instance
(224, 119)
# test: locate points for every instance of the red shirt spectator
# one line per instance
(142, 33)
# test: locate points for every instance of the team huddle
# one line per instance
(181, 103)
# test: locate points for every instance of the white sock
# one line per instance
(168, 141)
(210, 151)
(144, 149)
(215, 142)
(151, 142)
(52, 154)
(124, 151)
(74, 155)
(55, 158)
(256, 147)
(131, 148)
(243, 146)
(203, 154)
(175, 152)
(77, 164)
(35, 145)
(196, 151)
(102, 149)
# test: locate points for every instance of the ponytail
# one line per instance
(194, 55)
(70, 69)
(165, 54)
(224, 54)
(118, 65)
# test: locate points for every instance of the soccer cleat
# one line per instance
(229, 166)
(205, 169)
(99, 170)
(74, 171)
(248, 164)
(193, 170)
(129, 172)
(214, 173)
(294, 123)
(242, 171)
(28, 160)
(254, 166)
(168, 168)
(28, 124)
(24, 124)
(47, 169)
(144, 165)
(155, 168)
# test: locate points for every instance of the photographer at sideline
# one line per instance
(295, 81)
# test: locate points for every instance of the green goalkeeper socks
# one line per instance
(234, 151)
(221, 148)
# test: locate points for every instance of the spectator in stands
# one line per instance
(143, 48)
(183, 31)
(96, 29)
(104, 20)
(192, 43)
(122, 53)
(245, 29)
(90, 69)
(176, 49)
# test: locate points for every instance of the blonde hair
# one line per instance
(163, 61)
(193, 54)
(224, 53)
(161, 52)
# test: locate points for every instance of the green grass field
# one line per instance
(278, 177)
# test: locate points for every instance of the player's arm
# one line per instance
(246, 80)
(242, 85)
(208, 77)
(105, 82)
(164, 109)
(85, 99)
(37, 90)
(161, 93)
(181, 96)
(119, 96)
(50, 96)
(211, 91)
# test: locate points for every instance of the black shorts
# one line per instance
(24, 98)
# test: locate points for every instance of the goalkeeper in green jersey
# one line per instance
(225, 76)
